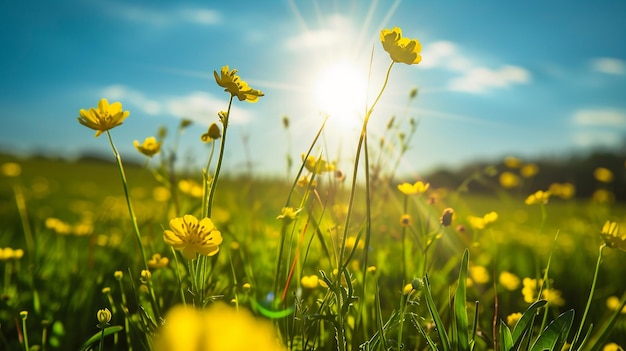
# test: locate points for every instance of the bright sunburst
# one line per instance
(340, 91)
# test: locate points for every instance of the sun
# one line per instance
(340, 91)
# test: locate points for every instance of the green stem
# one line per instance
(218, 167)
(130, 206)
(101, 340)
(593, 287)
(25, 330)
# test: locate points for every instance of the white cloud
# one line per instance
(444, 54)
(482, 79)
(339, 30)
(136, 98)
(605, 117)
(163, 16)
(597, 138)
(609, 65)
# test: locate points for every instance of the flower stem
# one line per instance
(133, 218)
(593, 287)
(25, 330)
(218, 167)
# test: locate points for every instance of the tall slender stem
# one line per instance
(218, 167)
(133, 218)
(593, 287)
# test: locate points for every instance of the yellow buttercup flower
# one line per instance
(513, 318)
(512, 162)
(538, 197)
(230, 81)
(158, 262)
(613, 303)
(612, 236)
(220, 327)
(412, 189)
(213, 133)
(509, 180)
(310, 281)
(150, 146)
(529, 291)
(509, 280)
(481, 222)
(104, 317)
(401, 49)
(317, 166)
(603, 175)
(405, 220)
(612, 347)
(191, 236)
(446, 217)
(106, 117)
(562, 190)
(529, 170)
(11, 169)
(288, 213)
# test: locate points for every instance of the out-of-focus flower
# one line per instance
(603, 196)
(612, 347)
(553, 297)
(161, 194)
(11, 169)
(157, 261)
(478, 274)
(613, 303)
(351, 243)
(405, 220)
(482, 222)
(317, 166)
(513, 318)
(230, 81)
(509, 180)
(288, 213)
(407, 289)
(213, 133)
(509, 280)
(603, 175)
(310, 281)
(118, 275)
(529, 291)
(446, 217)
(150, 146)
(190, 187)
(529, 170)
(418, 187)
(8, 254)
(304, 181)
(106, 117)
(539, 197)
(612, 236)
(191, 236)
(218, 328)
(562, 190)
(401, 49)
(512, 162)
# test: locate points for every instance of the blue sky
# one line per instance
(497, 78)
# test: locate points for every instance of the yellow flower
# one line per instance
(212, 134)
(158, 262)
(190, 187)
(481, 222)
(288, 213)
(107, 116)
(407, 289)
(509, 180)
(562, 190)
(418, 187)
(479, 274)
(613, 304)
(553, 297)
(104, 317)
(603, 175)
(317, 166)
(509, 281)
(150, 146)
(529, 291)
(230, 81)
(405, 220)
(612, 347)
(512, 162)
(401, 49)
(220, 327)
(537, 198)
(513, 318)
(192, 236)
(529, 170)
(310, 281)
(603, 196)
(11, 169)
(612, 236)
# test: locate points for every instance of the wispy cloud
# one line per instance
(596, 138)
(473, 78)
(339, 29)
(198, 106)
(602, 117)
(609, 65)
(160, 17)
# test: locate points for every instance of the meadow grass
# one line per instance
(97, 255)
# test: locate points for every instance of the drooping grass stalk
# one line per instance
(220, 156)
(592, 290)
(131, 212)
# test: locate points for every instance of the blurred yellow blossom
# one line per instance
(157, 261)
(539, 197)
(310, 281)
(612, 235)
(509, 280)
(351, 242)
(106, 117)
(603, 196)
(603, 175)
(562, 190)
(478, 274)
(612, 347)
(405, 220)
(407, 289)
(509, 180)
(446, 217)
(529, 170)
(401, 49)
(161, 194)
(288, 213)
(529, 291)
(513, 318)
(230, 81)
(150, 146)
(217, 328)
(482, 222)
(613, 303)
(8, 254)
(213, 133)
(315, 165)
(512, 162)
(11, 169)
(553, 297)
(191, 236)
(304, 181)
(190, 187)
(418, 187)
